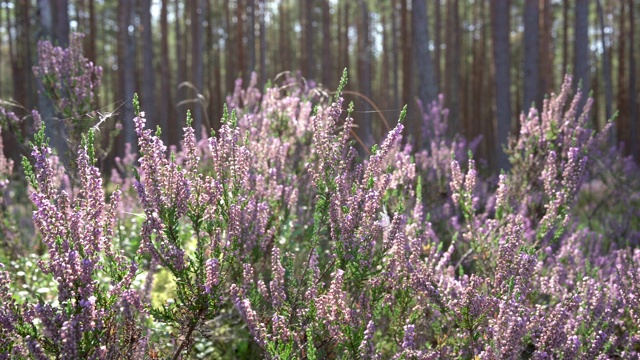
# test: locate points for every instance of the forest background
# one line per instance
(489, 59)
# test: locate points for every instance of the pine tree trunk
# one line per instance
(531, 21)
(502, 78)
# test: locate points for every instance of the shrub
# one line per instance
(274, 235)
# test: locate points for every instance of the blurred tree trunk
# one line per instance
(546, 46)
(623, 105)
(531, 22)
(197, 65)
(263, 43)
(438, 42)
(581, 50)
(93, 33)
(328, 74)
(61, 22)
(565, 37)
(606, 64)
(284, 39)
(345, 36)
(395, 51)
(407, 63)
(126, 67)
(500, 9)
(148, 88)
(3, 58)
(303, 18)
(24, 84)
(385, 87)
(181, 76)
(487, 128)
(240, 40)
(633, 94)
(54, 128)
(229, 44)
(217, 74)
(164, 106)
(452, 66)
(427, 86)
(364, 72)
(251, 38)
(479, 70)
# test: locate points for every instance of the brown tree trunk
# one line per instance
(251, 37)
(531, 22)
(438, 42)
(565, 37)
(623, 103)
(364, 72)
(582, 75)
(427, 86)
(197, 65)
(148, 74)
(93, 32)
(395, 57)
(229, 44)
(284, 39)
(407, 57)
(546, 81)
(452, 67)
(240, 40)
(126, 64)
(500, 10)
(633, 94)
(328, 74)
(61, 22)
(263, 43)
(345, 36)
(164, 107)
(606, 64)
(385, 87)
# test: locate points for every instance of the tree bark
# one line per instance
(148, 74)
(93, 33)
(500, 9)
(581, 50)
(606, 64)
(531, 20)
(197, 65)
(126, 69)
(546, 46)
(345, 36)
(395, 57)
(328, 74)
(427, 86)
(61, 22)
(240, 40)
(633, 98)
(452, 67)
(164, 107)
(623, 104)
(438, 43)
(565, 37)
(263, 43)
(251, 37)
(364, 72)
(407, 59)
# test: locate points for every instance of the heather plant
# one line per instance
(69, 79)
(87, 318)
(273, 238)
(72, 82)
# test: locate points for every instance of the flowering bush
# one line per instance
(272, 238)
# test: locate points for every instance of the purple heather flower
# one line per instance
(213, 274)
